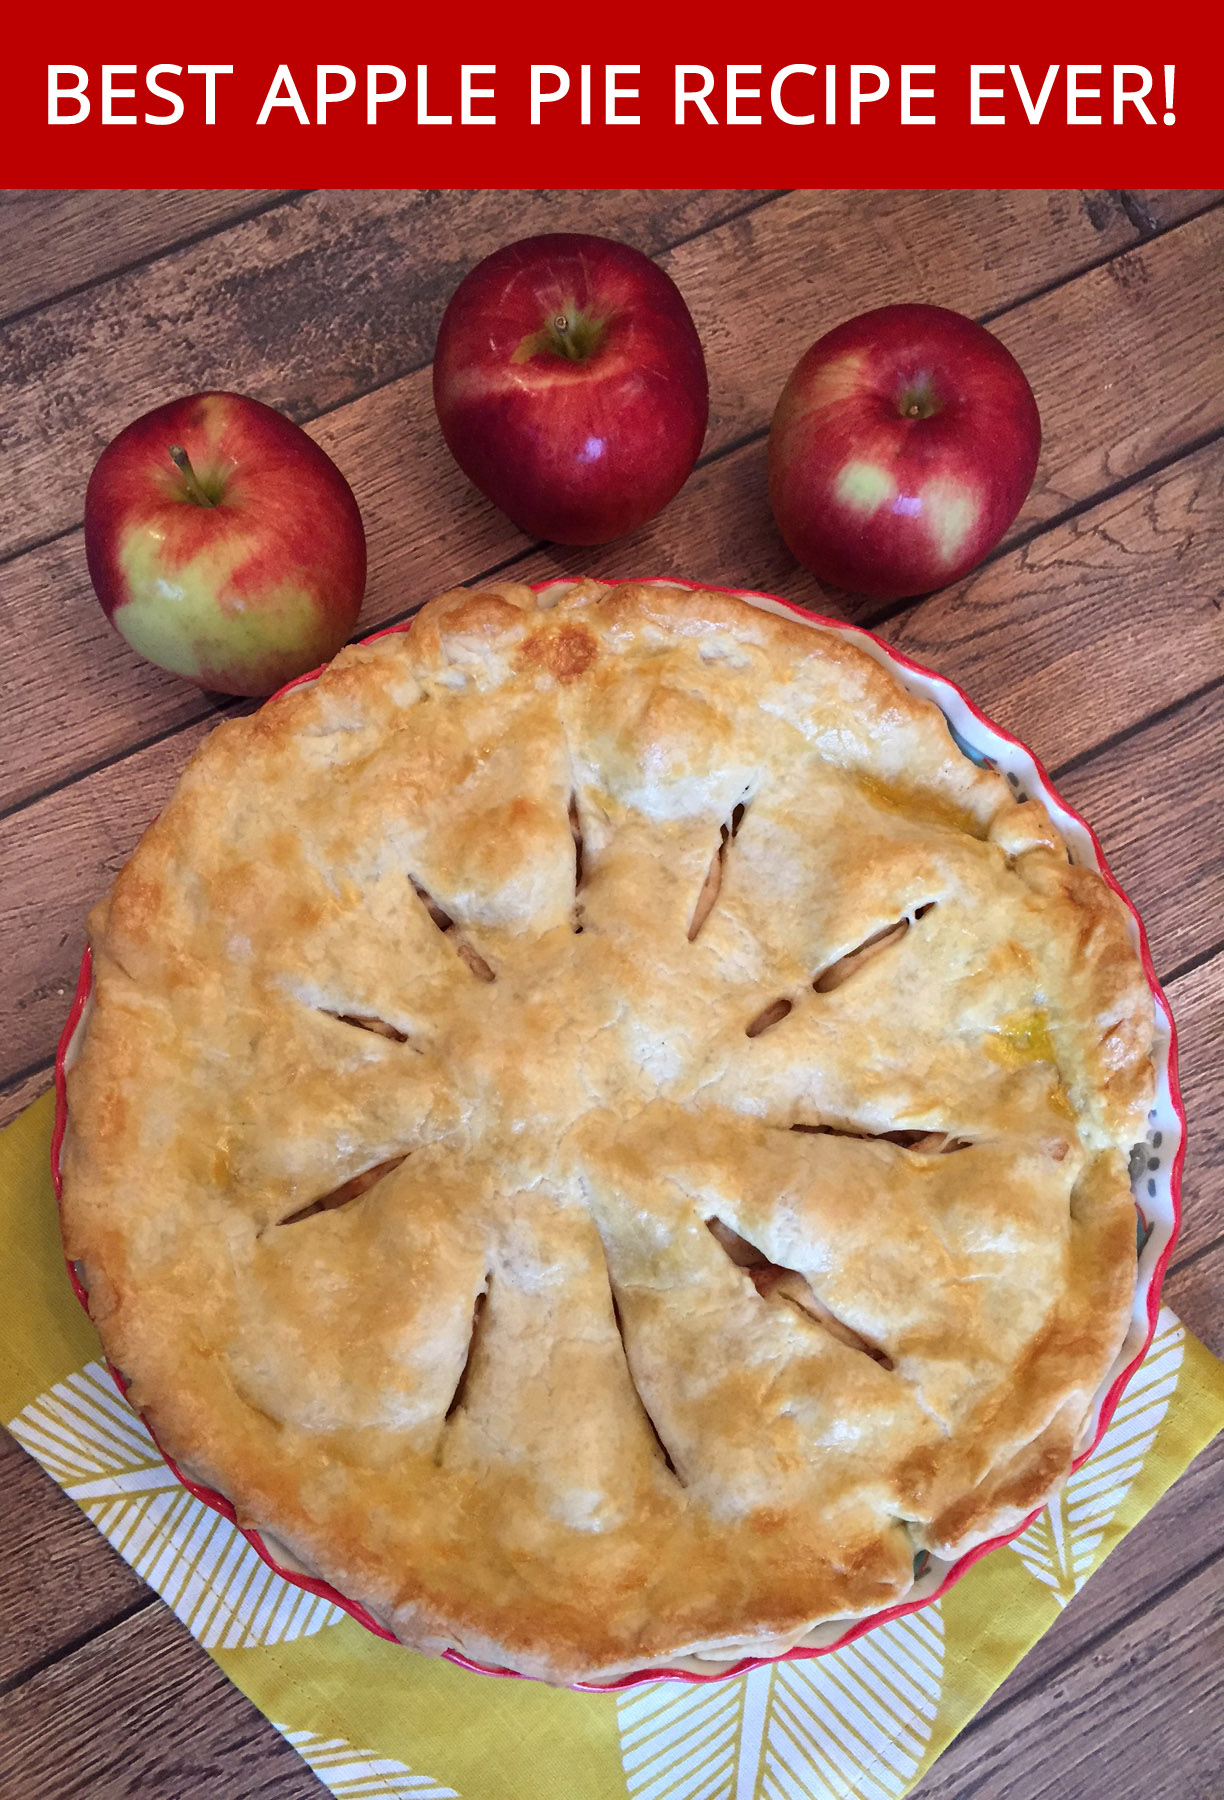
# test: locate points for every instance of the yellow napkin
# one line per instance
(372, 1719)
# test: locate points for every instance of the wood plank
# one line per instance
(758, 266)
(1156, 808)
(140, 1713)
(1068, 637)
(60, 1578)
(16, 1095)
(771, 283)
(135, 1663)
(66, 1580)
(428, 529)
(1195, 1291)
(322, 299)
(86, 831)
(66, 238)
(1065, 640)
(1111, 1724)
(84, 696)
(1155, 209)
(1197, 999)
(67, 849)
(1121, 396)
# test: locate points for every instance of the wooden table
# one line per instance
(1094, 632)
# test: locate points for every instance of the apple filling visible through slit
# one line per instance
(711, 887)
(922, 1143)
(828, 979)
(478, 1307)
(379, 1027)
(347, 1192)
(575, 825)
(773, 1014)
(771, 1281)
(466, 954)
(854, 960)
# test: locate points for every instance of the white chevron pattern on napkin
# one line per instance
(88, 1439)
(1060, 1547)
(852, 1725)
(354, 1774)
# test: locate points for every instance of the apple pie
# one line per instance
(604, 1132)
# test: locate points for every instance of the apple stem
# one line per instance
(566, 342)
(182, 462)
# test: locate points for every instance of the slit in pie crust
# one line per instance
(607, 1134)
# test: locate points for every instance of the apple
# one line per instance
(901, 449)
(570, 385)
(224, 544)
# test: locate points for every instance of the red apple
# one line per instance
(570, 386)
(901, 450)
(224, 544)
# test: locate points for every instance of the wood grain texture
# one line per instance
(1110, 406)
(1153, 209)
(428, 528)
(1069, 636)
(144, 1655)
(60, 1579)
(140, 1713)
(319, 300)
(1155, 804)
(1114, 1722)
(65, 852)
(767, 285)
(1195, 1291)
(65, 1580)
(23, 1090)
(74, 237)
(291, 301)
(1197, 999)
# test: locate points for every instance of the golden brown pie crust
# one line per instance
(742, 1083)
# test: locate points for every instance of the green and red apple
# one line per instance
(901, 450)
(224, 544)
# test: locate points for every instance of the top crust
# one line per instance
(603, 1131)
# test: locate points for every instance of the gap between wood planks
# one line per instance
(41, 1066)
(1146, 226)
(83, 1726)
(885, 615)
(32, 1082)
(18, 1679)
(241, 216)
(994, 1708)
(1149, 235)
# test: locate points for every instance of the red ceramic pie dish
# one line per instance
(1156, 1174)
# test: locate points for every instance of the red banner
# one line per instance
(149, 96)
